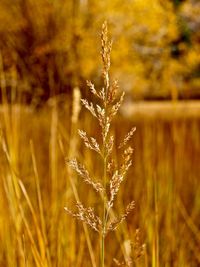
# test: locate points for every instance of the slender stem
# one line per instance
(104, 178)
(105, 219)
(104, 212)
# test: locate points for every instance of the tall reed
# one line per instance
(112, 174)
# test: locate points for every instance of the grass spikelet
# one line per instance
(127, 137)
(116, 107)
(106, 46)
(86, 215)
(114, 187)
(92, 143)
(92, 88)
(112, 94)
(81, 170)
(117, 221)
(127, 161)
(89, 106)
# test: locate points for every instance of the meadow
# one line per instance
(130, 195)
(36, 185)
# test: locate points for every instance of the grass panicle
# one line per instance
(104, 113)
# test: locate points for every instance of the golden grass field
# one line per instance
(164, 182)
(43, 190)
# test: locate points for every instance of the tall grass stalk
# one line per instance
(112, 176)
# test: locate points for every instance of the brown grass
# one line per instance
(36, 184)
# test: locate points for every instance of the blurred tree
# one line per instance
(52, 46)
(39, 45)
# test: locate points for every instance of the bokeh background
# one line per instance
(50, 46)
(48, 49)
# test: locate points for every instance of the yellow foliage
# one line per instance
(53, 44)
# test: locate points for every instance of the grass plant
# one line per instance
(112, 176)
(36, 183)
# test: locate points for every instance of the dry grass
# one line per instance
(164, 177)
(112, 175)
(36, 184)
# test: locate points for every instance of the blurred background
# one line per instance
(48, 49)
